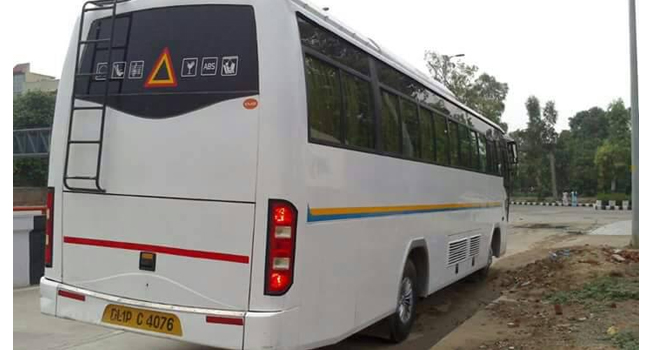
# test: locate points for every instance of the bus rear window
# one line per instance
(172, 60)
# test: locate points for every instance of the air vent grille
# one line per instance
(474, 245)
(457, 251)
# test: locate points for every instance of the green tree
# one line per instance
(549, 140)
(537, 146)
(32, 110)
(612, 161)
(593, 155)
(534, 143)
(485, 94)
(588, 129)
(618, 122)
(613, 157)
(563, 160)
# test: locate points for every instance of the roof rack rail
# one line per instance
(103, 3)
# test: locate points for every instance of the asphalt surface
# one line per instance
(528, 226)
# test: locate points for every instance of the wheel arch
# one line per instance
(495, 241)
(418, 252)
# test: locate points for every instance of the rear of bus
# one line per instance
(153, 174)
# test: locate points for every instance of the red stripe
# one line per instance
(200, 254)
(225, 320)
(75, 296)
(42, 209)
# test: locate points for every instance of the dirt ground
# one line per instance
(579, 297)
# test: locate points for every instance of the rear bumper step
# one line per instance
(218, 328)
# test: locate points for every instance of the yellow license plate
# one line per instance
(153, 321)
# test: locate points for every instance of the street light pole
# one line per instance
(634, 96)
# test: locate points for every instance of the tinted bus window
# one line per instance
(324, 100)
(432, 100)
(442, 140)
(359, 118)
(499, 157)
(200, 55)
(454, 150)
(482, 146)
(398, 81)
(465, 146)
(493, 158)
(474, 146)
(410, 129)
(332, 46)
(427, 135)
(390, 122)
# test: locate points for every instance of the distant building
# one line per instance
(24, 80)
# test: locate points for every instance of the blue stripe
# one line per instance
(317, 218)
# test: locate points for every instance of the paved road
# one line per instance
(439, 314)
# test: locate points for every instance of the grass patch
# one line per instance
(602, 289)
(626, 340)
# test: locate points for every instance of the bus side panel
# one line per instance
(314, 300)
(57, 155)
(372, 249)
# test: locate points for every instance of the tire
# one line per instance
(483, 273)
(401, 322)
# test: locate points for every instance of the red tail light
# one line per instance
(72, 295)
(280, 247)
(49, 227)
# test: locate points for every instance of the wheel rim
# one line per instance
(490, 257)
(405, 305)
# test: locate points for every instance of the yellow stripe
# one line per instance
(399, 208)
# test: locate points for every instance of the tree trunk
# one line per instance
(612, 186)
(551, 157)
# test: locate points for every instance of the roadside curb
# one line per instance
(596, 206)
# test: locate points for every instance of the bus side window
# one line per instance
(410, 129)
(465, 147)
(390, 125)
(427, 136)
(498, 151)
(323, 100)
(486, 162)
(492, 154)
(453, 143)
(359, 112)
(476, 163)
(442, 139)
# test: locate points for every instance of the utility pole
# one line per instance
(634, 96)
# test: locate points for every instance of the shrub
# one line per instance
(618, 197)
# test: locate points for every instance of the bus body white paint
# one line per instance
(194, 188)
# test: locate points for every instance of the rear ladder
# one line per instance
(98, 5)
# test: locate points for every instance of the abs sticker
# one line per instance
(209, 66)
(250, 103)
(159, 77)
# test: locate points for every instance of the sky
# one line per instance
(573, 52)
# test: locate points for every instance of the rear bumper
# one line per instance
(262, 328)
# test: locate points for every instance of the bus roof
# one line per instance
(385, 55)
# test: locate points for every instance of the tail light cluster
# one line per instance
(280, 247)
(49, 227)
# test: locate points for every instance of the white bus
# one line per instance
(252, 174)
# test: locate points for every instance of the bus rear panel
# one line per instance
(154, 172)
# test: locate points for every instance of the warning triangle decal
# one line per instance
(159, 77)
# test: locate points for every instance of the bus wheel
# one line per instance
(401, 321)
(482, 274)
